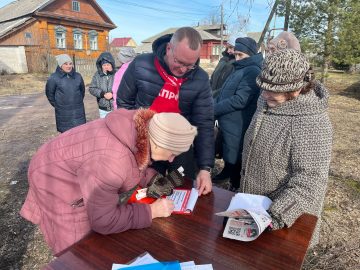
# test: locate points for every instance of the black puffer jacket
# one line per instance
(65, 92)
(101, 83)
(222, 71)
(141, 84)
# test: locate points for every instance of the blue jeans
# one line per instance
(103, 113)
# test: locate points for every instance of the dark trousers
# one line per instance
(235, 174)
(186, 160)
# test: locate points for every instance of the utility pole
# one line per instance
(287, 15)
(268, 22)
(222, 26)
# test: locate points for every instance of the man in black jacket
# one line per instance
(169, 79)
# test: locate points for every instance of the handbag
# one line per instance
(218, 141)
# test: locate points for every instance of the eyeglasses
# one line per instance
(181, 64)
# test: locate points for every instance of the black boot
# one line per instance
(224, 174)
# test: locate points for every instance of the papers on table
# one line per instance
(148, 262)
(247, 216)
(184, 200)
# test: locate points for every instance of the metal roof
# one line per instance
(21, 8)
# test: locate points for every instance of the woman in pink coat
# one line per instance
(76, 178)
(125, 56)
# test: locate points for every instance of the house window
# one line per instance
(76, 6)
(93, 37)
(216, 50)
(60, 36)
(28, 35)
(78, 42)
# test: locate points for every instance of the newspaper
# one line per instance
(247, 217)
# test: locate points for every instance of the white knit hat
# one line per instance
(231, 41)
(172, 131)
(126, 54)
(62, 59)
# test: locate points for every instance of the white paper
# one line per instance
(148, 259)
(194, 195)
(248, 217)
(141, 260)
(179, 197)
(250, 202)
(198, 267)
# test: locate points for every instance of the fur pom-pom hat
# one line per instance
(284, 71)
(285, 40)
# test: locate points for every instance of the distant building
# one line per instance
(118, 43)
(47, 28)
(123, 42)
(210, 51)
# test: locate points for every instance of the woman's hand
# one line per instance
(161, 208)
(108, 95)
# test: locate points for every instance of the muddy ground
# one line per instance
(27, 121)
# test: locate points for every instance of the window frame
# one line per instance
(78, 32)
(75, 6)
(62, 31)
(93, 36)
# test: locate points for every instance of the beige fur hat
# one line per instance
(284, 71)
(285, 40)
(172, 131)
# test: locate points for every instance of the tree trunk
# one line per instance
(329, 39)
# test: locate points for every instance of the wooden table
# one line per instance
(195, 237)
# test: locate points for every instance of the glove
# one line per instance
(163, 185)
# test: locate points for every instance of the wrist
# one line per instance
(206, 168)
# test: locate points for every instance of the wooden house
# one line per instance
(50, 27)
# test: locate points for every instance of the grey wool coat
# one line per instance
(287, 151)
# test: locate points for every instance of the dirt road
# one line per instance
(26, 122)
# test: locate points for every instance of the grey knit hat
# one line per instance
(284, 71)
(62, 59)
(126, 54)
(231, 40)
(172, 131)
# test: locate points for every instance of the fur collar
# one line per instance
(141, 119)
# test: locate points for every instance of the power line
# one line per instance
(158, 9)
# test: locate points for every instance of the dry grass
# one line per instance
(22, 246)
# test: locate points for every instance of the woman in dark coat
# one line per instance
(235, 106)
(102, 83)
(65, 90)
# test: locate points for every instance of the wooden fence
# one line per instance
(86, 67)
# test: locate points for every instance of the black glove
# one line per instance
(163, 185)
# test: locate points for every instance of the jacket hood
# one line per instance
(312, 103)
(228, 55)
(255, 59)
(105, 56)
(131, 128)
(159, 49)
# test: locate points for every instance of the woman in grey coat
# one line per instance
(287, 147)
(102, 82)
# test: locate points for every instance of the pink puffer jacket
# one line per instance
(75, 179)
